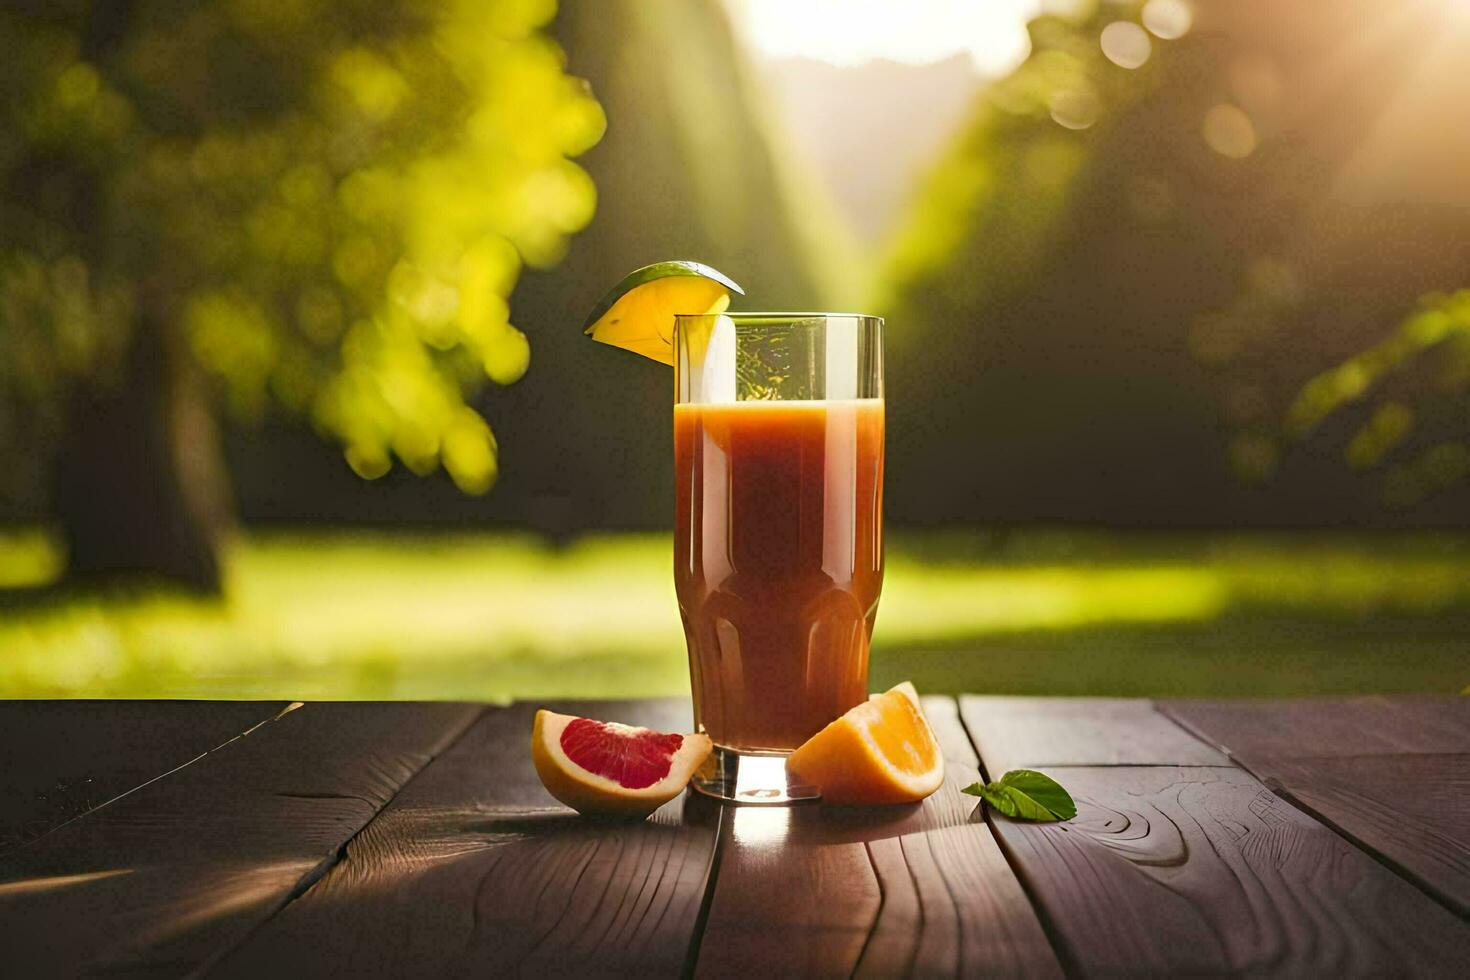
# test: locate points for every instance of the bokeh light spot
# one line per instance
(1229, 131)
(1168, 19)
(1074, 108)
(1125, 44)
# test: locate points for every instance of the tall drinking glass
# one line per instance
(778, 546)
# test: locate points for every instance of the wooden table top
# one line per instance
(255, 839)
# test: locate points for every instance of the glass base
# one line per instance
(751, 779)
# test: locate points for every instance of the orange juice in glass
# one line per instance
(778, 553)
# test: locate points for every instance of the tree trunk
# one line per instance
(140, 482)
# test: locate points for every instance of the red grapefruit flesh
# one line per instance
(607, 769)
(636, 760)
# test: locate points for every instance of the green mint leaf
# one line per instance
(1026, 794)
(1040, 790)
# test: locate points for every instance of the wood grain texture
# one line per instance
(1190, 870)
(165, 879)
(1026, 733)
(918, 890)
(60, 759)
(794, 897)
(1390, 773)
(1328, 727)
(1412, 810)
(475, 870)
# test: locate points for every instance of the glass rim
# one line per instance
(812, 353)
(779, 315)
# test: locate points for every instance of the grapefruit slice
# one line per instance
(638, 314)
(881, 751)
(601, 768)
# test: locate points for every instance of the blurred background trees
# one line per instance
(274, 204)
(691, 165)
(1112, 271)
(1189, 264)
(1145, 242)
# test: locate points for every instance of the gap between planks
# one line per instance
(199, 858)
(1430, 892)
(911, 890)
(711, 875)
(163, 775)
(473, 868)
(1268, 777)
(316, 874)
(1063, 952)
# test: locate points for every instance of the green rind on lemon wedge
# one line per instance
(638, 314)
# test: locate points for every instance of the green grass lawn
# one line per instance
(493, 616)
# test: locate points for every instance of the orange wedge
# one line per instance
(639, 314)
(882, 751)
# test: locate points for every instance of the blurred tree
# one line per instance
(1136, 252)
(689, 168)
(317, 206)
(1016, 391)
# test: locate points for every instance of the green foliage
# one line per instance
(990, 208)
(1440, 326)
(1035, 297)
(1118, 317)
(331, 200)
(687, 168)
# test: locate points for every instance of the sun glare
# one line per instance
(850, 32)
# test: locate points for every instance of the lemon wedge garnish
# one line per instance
(638, 314)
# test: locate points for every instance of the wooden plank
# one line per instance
(1412, 810)
(60, 759)
(1392, 774)
(167, 878)
(918, 890)
(793, 897)
(1329, 727)
(951, 903)
(1027, 733)
(475, 869)
(1191, 870)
